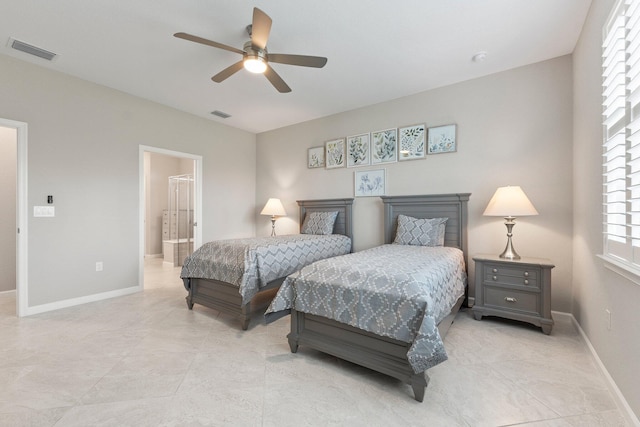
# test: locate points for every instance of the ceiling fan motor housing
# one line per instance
(251, 52)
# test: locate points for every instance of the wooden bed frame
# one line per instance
(225, 296)
(382, 354)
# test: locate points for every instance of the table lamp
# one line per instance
(274, 208)
(510, 202)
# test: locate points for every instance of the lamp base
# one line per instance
(509, 252)
(273, 226)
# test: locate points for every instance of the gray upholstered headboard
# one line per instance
(452, 206)
(343, 224)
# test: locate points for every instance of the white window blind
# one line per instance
(621, 141)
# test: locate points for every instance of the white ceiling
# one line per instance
(377, 50)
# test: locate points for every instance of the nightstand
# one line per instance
(514, 289)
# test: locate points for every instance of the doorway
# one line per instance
(13, 149)
(171, 213)
(8, 219)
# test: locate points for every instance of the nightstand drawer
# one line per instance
(512, 299)
(511, 276)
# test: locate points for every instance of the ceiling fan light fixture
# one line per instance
(254, 52)
(255, 64)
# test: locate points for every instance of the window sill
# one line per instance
(627, 271)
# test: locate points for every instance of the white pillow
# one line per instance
(420, 232)
(319, 222)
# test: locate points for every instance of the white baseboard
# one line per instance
(43, 308)
(153, 256)
(9, 292)
(621, 402)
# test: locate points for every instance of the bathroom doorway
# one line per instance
(171, 184)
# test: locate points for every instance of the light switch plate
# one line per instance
(44, 211)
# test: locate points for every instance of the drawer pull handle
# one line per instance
(526, 274)
(526, 282)
(495, 270)
(510, 299)
(495, 278)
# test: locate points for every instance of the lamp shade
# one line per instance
(274, 208)
(510, 202)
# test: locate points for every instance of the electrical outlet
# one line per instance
(99, 266)
(608, 318)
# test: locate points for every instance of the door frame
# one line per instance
(22, 216)
(197, 235)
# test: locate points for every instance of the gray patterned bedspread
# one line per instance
(251, 263)
(397, 291)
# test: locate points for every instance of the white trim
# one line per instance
(22, 217)
(621, 402)
(81, 300)
(197, 238)
(12, 291)
(623, 269)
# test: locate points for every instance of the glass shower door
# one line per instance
(181, 206)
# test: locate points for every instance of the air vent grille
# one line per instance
(31, 50)
(221, 114)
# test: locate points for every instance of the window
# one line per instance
(621, 139)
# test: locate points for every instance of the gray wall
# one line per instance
(597, 289)
(7, 209)
(514, 128)
(84, 150)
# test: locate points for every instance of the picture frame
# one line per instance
(315, 157)
(359, 150)
(369, 183)
(442, 139)
(412, 142)
(384, 147)
(335, 153)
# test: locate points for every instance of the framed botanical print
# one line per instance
(442, 139)
(315, 157)
(384, 146)
(334, 153)
(411, 142)
(358, 150)
(370, 183)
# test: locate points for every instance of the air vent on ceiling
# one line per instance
(221, 114)
(31, 50)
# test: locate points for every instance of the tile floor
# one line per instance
(146, 360)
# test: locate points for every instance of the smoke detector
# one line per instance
(479, 57)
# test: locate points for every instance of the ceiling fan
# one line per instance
(255, 57)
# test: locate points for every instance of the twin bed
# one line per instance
(226, 274)
(387, 308)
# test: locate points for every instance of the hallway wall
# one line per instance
(84, 149)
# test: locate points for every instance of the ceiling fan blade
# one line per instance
(303, 60)
(276, 80)
(260, 28)
(227, 72)
(200, 40)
